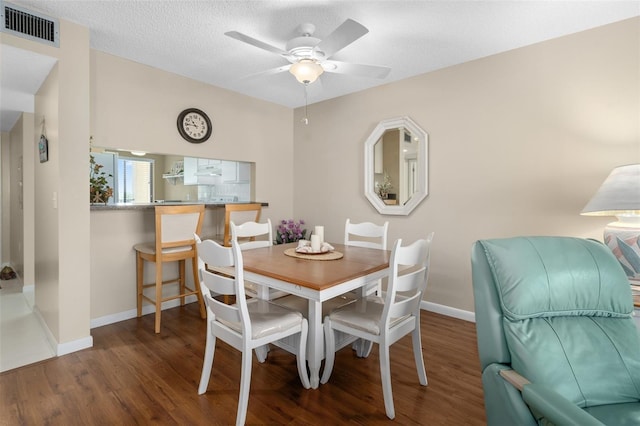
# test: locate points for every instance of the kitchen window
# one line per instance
(135, 180)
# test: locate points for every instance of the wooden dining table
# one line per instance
(315, 280)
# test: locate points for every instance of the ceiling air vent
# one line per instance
(26, 24)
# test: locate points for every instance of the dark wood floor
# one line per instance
(133, 376)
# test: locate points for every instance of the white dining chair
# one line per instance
(246, 234)
(366, 234)
(385, 321)
(369, 235)
(245, 325)
(232, 212)
(251, 235)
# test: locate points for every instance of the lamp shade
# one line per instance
(619, 195)
(306, 71)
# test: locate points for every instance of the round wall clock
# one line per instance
(194, 125)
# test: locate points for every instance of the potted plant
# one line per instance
(290, 231)
(384, 187)
(99, 189)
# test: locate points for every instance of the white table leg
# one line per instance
(315, 342)
(262, 291)
(261, 353)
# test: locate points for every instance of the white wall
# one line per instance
(518, 143)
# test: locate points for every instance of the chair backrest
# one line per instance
(233, 210)
(558, 310)
(175, 227)
(213, 254)
(408, 276)
(371, 235)
(245, 234)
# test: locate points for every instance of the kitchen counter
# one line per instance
(145, 206)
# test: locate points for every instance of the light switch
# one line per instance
(54, 200)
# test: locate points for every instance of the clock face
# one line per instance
(194, 125)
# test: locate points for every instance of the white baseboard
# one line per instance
(74, 346)
(448, 311)
(62, 348)
(50, 338)
(148, 309)
(132, 313)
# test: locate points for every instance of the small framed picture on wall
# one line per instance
(43, 148)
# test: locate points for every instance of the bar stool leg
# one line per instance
(158, 295)
(181, 279)
(139, 281)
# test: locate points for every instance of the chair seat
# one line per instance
(364, 315)
(267, 319)
(150, 248)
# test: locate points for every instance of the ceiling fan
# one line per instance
(309, 56)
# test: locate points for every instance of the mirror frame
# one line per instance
(422, 189)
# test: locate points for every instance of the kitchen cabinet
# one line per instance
(190, 169)
(236, 172)
(201, 171)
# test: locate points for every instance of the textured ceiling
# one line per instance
(412, 37)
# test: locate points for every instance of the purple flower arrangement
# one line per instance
(289, 231)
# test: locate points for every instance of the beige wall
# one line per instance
(5, 230)
(136, 107)
(18, 141)
(47, 253)
(518, 143)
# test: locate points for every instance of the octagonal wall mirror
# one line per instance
(395, 166)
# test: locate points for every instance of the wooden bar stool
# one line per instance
(175, 229)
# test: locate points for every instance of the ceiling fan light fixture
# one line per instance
(306, 71)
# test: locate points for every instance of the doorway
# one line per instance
(23, 339)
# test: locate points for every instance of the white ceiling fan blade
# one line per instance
(343, 36)
(373, 71)
(257, 43)
(271, 71)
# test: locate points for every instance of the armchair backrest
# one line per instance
(558, 310)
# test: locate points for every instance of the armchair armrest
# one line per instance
(548, 404)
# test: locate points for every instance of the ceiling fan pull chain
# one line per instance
(305, 120)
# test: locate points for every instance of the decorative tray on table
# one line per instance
(304, 251)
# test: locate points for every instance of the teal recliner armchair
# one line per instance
(557, 340)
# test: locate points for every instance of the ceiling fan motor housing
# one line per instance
(302, 47)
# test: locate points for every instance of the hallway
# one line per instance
(22, 339)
